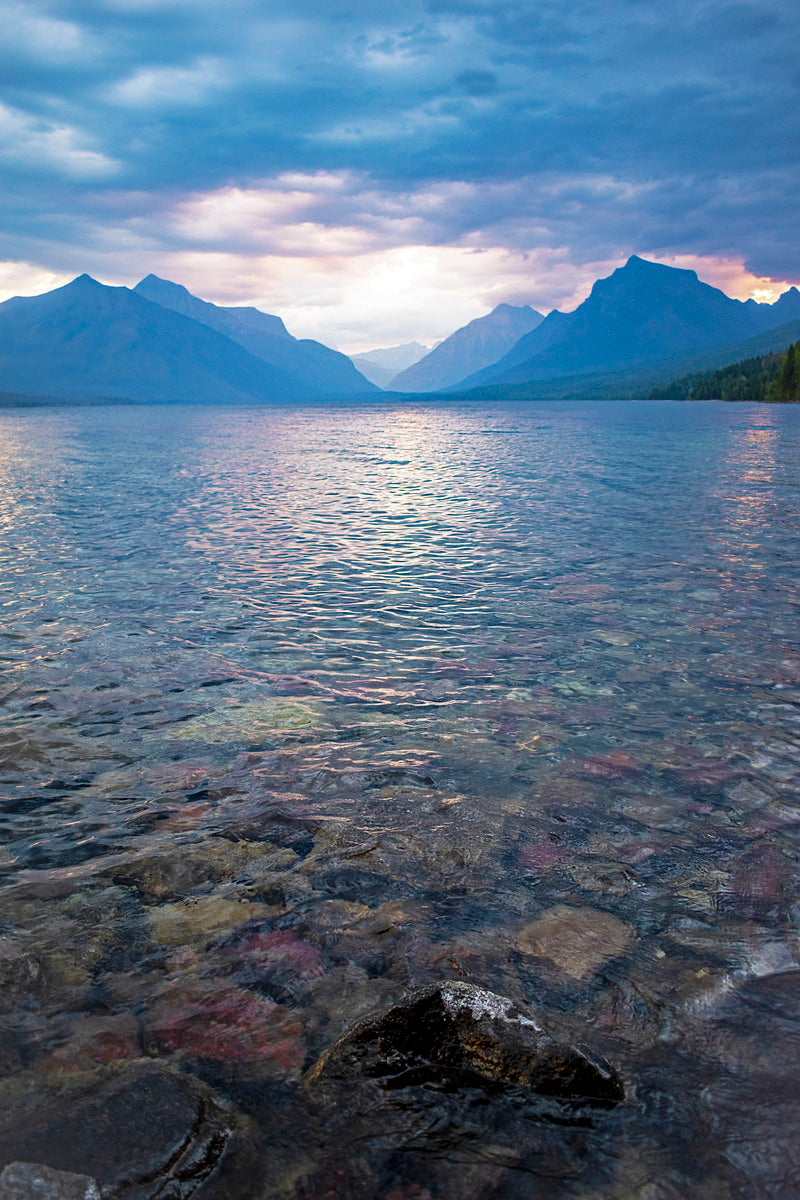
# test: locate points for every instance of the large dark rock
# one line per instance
(454, 1033)
(141, 1132)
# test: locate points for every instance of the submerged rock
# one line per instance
(140, 1132)
(221, 1023)
(32, 1181)
(456, 1033)
(94, 1040)
(202, 918)
(578, 940)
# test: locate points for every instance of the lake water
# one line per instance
(303, 707)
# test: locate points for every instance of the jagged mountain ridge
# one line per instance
(636, 382)
(86, 341)
(89, 342)
(469, 348)
(321, 371)
(642, 312)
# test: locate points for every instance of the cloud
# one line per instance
(359, 300)
(135, 132)
(24, 279)
(48, 148)
(164, 87)
(477, 83)
(41, 36)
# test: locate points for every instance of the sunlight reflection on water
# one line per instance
(388, 694)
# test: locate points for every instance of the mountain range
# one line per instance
(642, 325)
(157, 343)
(644, 312)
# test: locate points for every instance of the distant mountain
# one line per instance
(643, 326)
(637, 382)
(317, 369)
(643, 312)
(88, 342)
(381, 366)
(475, 345)
(785, 308)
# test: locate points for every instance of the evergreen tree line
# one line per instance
(785, 387)
(774, 378)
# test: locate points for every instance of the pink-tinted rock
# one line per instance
(337, 1181)
(229, 1024)
(541, 856)
(467, 958)
(589, 714)
(249, 815)
(508, 727)
(278, 949)
(762, 876)
(582, 591)
(614, 765)
(94, 1041)
(569, 792)
(708, 775)
(637, 851)
(185, 816)
(696, 806)
(776, 817)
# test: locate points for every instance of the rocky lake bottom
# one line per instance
(307, 709)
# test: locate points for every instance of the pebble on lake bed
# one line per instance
(32, 1181)
(578, 940)
(202, 918)
(221, 1023)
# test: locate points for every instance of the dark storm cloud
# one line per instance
(600, 127)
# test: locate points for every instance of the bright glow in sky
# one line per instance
(380, 174)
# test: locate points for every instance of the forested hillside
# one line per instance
(766, 377)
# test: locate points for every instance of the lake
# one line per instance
(306, 706)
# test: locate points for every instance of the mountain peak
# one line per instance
(646, 267)
(643, 312)
(320, 370)
(637, 263)
(640, 279)
(155, 284)
(83, 282)
(469, 349)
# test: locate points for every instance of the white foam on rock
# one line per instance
(481, 1003)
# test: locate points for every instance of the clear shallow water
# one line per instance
(305, 706)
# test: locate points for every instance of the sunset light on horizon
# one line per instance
(403, 294)
(383, 176)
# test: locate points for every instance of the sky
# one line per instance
(378, 172)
